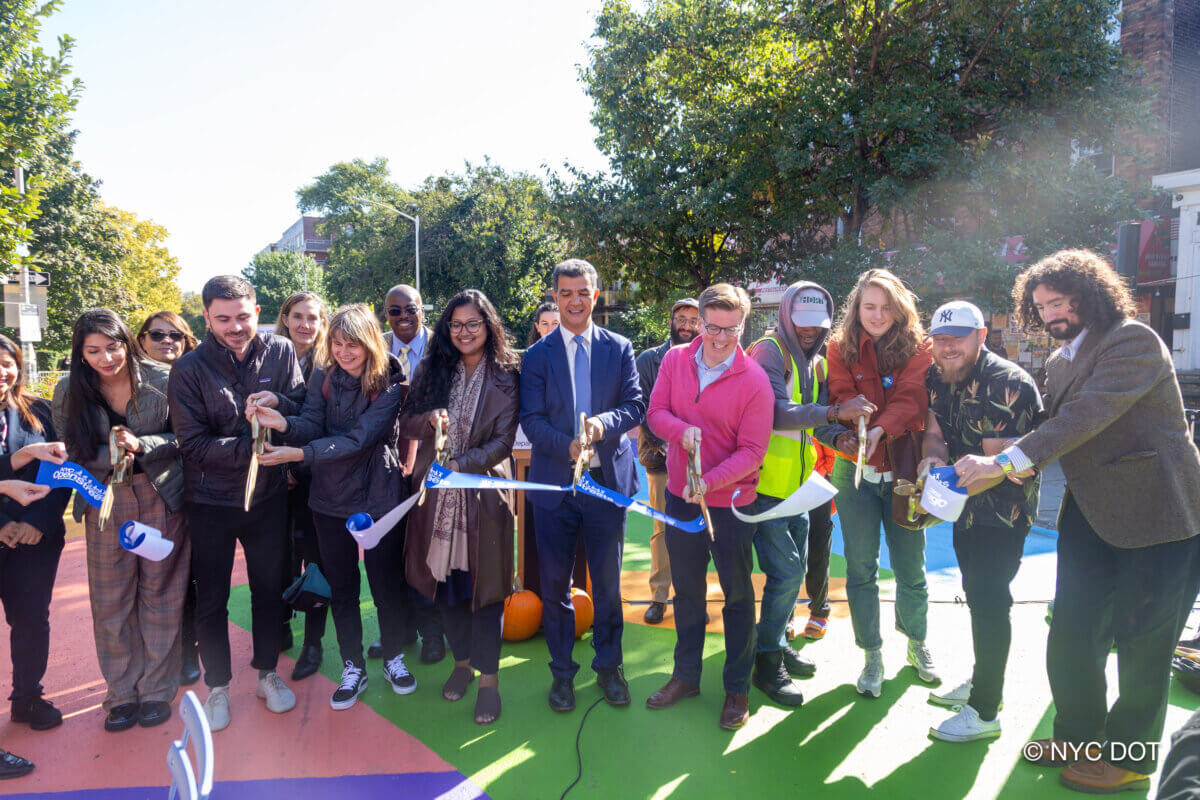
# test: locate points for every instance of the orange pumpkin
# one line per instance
(583, 611)
(522, 615)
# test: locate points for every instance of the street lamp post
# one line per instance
(415, 220)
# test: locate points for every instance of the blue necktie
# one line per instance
(583, 381)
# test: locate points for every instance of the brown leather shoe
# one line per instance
(1057, 752)
(736, 711)
(1101, 777)
(672, 693)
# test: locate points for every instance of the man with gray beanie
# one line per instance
(652, 452)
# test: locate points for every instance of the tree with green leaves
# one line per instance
(278, 275)
(745, 139)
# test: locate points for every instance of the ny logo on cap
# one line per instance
(946, 316)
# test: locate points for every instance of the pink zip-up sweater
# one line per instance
(734, 414)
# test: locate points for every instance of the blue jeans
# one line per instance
(782, 552)
(861, 512)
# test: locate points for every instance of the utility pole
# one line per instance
(28, 354)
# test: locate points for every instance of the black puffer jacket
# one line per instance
(207, 394)
(351, 443)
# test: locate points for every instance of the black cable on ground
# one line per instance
(578, 752)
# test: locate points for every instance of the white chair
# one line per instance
(188, 783)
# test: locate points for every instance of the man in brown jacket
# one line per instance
(1128, 550)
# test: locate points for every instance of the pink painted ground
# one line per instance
(257, 745)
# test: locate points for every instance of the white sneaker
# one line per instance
(956, 697)
(216, 708)
(399, 677)
(966, 726)
(870, 681)
(919, 657)
(278, 696)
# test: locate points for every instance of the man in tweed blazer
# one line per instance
(1128, 550)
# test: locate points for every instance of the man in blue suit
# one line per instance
(581, 368)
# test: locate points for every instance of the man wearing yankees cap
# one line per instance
(978, 402)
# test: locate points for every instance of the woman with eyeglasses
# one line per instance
(346, 433)
(879, 351)
(545, 320)
(304, 321)
(165, 336)
(460, 542)
(114, 396)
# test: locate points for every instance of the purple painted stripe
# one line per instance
(384, 787)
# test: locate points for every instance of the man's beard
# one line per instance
(678, 334)
(953, 376)
(1065, 334)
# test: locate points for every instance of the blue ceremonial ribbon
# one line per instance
(127, 541)
(589, 486)
(440, 477)
(72, 476)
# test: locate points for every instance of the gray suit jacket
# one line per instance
(388, 336)
(1117, 426)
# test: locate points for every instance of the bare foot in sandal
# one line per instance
(456, 685)
(487, 705)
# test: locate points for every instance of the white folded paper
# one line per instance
(367, 532)
(144, 541)
(815, 491)
(942, 496)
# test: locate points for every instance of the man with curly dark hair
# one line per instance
(1128, 550)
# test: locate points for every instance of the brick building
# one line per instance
(303, 237)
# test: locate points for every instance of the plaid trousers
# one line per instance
(137, 604)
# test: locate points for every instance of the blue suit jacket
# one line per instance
(548, 412)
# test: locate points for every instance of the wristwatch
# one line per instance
(1005, 463)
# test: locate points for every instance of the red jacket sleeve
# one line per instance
(841, 382)
(908, 401)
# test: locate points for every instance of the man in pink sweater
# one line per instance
(708, 393)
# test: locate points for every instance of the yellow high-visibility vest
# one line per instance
(791, 454)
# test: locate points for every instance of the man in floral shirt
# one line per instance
(978, 403)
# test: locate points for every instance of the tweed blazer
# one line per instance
(1116, 425)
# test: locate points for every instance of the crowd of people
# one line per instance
(869, 395)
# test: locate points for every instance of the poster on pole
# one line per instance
(30, 329)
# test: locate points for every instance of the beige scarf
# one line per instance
(449, 549)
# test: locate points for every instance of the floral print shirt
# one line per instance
(996, 400)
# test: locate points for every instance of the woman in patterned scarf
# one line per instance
(460, 541)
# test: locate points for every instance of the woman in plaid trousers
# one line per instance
(137, 604)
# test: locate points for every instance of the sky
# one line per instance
(206, 117)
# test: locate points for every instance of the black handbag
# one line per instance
(309, 592)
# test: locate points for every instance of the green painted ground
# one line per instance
(836, 745)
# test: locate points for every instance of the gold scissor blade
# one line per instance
(251, 480)
(106, 506)
(862, 451)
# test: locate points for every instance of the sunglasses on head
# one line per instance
(158, 336)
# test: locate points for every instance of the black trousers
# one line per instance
(989, 557)
(385, 576)
(1181, 771)
(303, 550)
(733, 553)
(1139, 598)
(215, 532)
(27, 575)
(820, 545)
(473, 635)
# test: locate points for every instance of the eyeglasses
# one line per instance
(717, 330)
(158, 336)
(398, 311)
(472, 326)
(686, 322)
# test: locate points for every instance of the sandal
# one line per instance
(456, 685)
(487, 704)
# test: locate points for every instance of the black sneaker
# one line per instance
(39, 713)
(798, 665)
(13, 766)
(354, 683)
(376, 649)
(398, 676)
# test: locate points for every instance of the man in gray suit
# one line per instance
(1128, 550)
(408, 335)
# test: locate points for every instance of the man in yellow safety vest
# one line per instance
(791, 358)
